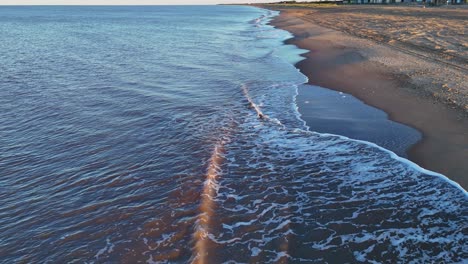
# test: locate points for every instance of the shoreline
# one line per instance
(352, 118)
(345, 63)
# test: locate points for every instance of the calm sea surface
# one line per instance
(171, 134)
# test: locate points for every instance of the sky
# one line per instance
(125, 2)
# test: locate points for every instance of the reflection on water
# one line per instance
(129, 135)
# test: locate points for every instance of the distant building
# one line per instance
(429, 2)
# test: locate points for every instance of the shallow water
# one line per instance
(329, 111)
(171, 134)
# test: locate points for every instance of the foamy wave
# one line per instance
(273, 191)
(210, 190)
(289, 194)
(295, 109)
(318, 194)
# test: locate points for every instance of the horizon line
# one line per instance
(124, 4)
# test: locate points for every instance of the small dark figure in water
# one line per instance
(260, 116)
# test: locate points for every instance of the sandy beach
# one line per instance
(410, 62)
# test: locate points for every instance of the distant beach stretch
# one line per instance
(187, 134)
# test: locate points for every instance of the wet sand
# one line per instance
(352, 118)
(415, 85)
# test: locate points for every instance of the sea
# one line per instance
(171, 134)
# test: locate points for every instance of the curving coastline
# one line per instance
(388, 78)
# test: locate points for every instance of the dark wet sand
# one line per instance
(346, 63)
(350, 117)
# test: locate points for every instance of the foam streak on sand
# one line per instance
(207, 204)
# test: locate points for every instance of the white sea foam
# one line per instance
(295, 107)
(328, 192)
(106, 250)
(275, 191)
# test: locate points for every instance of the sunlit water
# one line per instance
(171, 134)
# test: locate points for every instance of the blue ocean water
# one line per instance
(171, 134)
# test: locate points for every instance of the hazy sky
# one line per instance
(124, 2)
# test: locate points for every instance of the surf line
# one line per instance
(203, 242)
(210, 190)
(253, 105)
